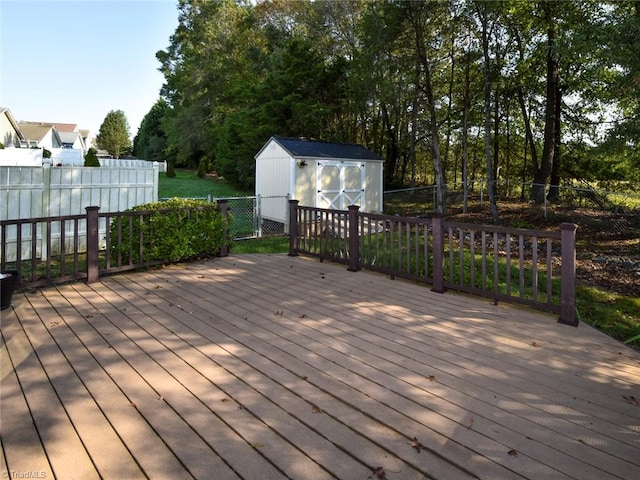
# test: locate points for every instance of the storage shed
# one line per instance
(318, 174)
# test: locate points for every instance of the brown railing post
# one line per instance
(224, 210)
(93, 244)
(438, 253)
(568, 274)
(354, 239)
(293, 227)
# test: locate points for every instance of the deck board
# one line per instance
(277, 367)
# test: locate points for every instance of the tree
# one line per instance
(113, 135)
(91, 159)
(420, 83)
(151, 141)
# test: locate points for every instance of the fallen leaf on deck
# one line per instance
(513, 452)
(379, 473)
(316, 409)
(432, 378)
(224, 400)
(257, 445)
(157, 286)
(416, 444)
(470, 424)
(631, 399)
(534, 344)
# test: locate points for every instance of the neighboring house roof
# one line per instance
(302, 147)
(66, 127)
(60, 127)
(36, 132)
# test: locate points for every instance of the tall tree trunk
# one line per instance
(447, 144)
(554, 181)
(413, 138)
(507, 163)
(392, 150)
(465, 136)
(541, 174)
(435, 142)
(496, 143)
(487, 114)
(427, 88)
(529, 140)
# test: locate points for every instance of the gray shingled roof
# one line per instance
(302, 147)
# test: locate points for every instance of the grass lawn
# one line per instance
(188, 184)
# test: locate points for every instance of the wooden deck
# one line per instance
(274, 367)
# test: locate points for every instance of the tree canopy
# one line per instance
(151, 140)
(452, 93)
(113, 135)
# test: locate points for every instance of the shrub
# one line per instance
(91, 159)
(202, 168)
(171, 171)
(171, 231)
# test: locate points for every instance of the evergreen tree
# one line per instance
(151, 141)
(114, 134)
(91, 159)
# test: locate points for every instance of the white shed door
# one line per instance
(340, 184)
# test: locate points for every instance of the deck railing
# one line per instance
(535, 268)
(51, 250)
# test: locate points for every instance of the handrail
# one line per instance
(77, 247)
(535, 268)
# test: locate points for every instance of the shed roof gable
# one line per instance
(302, 147)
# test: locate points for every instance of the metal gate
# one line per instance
(340, 184)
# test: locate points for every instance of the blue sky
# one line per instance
(74, 61)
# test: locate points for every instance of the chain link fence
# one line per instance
(255, 216)
(614, 212)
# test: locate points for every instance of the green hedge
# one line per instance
(174, 230)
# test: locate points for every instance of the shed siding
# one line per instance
(373, 187)
(273, 171)
(305, 184)
(274, 178)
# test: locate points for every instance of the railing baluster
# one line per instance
(549, 271)
(534, 268)
(521, 264)
(496, 265)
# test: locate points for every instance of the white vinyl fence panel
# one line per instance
(33, 192)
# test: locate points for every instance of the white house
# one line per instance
(319, 174)
(41, 135)
(10, 133)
